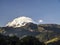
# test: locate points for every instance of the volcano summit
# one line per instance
(20, 21)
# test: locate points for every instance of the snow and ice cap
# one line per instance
(20, 21)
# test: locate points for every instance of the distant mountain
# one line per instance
(28, 29)
(23, 26)
(20, 21)
(42, 31)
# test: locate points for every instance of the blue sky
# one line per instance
(47, 10)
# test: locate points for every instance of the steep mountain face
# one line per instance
(29, 29)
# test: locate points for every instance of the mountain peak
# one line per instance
(20, 21)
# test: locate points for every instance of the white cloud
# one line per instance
(40, 21)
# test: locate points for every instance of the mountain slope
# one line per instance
(42, 31)
(29, 29)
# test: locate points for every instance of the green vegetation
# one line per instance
(54, 41)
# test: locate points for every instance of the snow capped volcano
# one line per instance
(20, 21)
